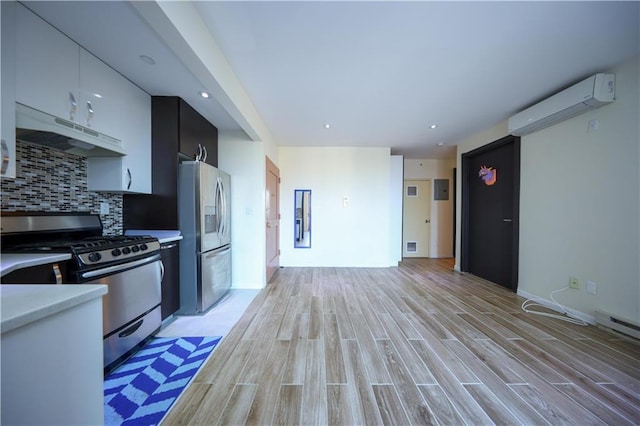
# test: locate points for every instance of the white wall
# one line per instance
(441, 240)
(579, 211)
(358, 235)
(580, 204)
(244, 160)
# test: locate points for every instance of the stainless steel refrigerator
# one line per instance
(205, 251)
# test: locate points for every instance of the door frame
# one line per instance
(466, 176)
(270, 269)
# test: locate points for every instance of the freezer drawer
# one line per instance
(215, 267)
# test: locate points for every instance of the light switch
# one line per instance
(345, 202)
(104, 208)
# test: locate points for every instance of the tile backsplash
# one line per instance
(55, 181)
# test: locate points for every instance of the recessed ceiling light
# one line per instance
(147, 60)
(97, 95)
(433, 126)
(440, 143)
(204, 95)
(326, 126)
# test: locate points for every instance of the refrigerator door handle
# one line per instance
(219, 209)
(223, 203)
(224, 208)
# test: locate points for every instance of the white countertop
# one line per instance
(163, 235)
(169, 239)
(24, 304)
(12, 261)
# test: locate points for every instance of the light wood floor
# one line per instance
(417, 344)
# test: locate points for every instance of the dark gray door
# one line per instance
(491, 195)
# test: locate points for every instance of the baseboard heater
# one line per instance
(625, 326)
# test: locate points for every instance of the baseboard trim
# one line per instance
(618, 323)
(549, 304)
(456, 268)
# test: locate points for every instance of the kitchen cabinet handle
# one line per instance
(57, 273)
(206, 154)
(89, 113)
(130, 178)
(74, 106)
(161, 271)
(167, 246)
(5, 157)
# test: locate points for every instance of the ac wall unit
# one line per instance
(595, 91)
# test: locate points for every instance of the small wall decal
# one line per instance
(489, 175)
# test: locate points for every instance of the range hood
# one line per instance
(37, 127)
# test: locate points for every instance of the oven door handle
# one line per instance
(121, 267)
(129, 331)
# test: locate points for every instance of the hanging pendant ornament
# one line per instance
(489, 175)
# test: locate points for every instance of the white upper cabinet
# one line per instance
(112, 104)
(98, 101)
(55, 75)
(103, 99)
(131, 173)
(8, 90)
(47, 67)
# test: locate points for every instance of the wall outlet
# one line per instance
(592, 287)
(574, 282)
(104, 208)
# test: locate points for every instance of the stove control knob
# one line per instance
(135, 249)
(126, 250)
(94, 257)
(116, 252)
(143, 247)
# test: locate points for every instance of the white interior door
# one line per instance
(416, 228)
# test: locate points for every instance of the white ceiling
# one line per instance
(380, 73)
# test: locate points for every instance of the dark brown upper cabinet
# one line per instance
(198, 137)
(178, 133)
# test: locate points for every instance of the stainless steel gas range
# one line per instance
(129, 266)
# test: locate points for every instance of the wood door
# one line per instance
(272, 227)
(416, 228)
(490, 223)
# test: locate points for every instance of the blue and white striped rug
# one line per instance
(141, 391)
